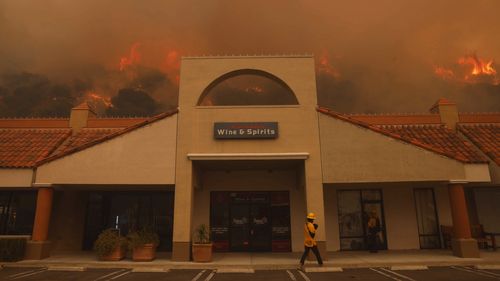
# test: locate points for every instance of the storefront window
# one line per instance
(17, 212)
(354, 207)
(127, 211)
(428, 226)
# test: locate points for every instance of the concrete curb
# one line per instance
(66, 268)
(409, 267)
(323, 269)
(235, 270)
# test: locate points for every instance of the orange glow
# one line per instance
(469, 69)
(172, 64)
(93, 97)
(134, 57)
(444, 73)
(254, 89)
(326, 67)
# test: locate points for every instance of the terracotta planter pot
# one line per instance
(116, 255)
(202, 252)
(146, 252)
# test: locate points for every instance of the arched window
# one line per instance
(247, 87)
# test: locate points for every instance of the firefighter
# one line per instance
(309, 241)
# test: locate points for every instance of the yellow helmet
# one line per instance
(311, 216)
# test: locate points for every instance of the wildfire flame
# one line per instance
(326, 67)
(134, 57)
(172, 65)
(469, 69)
(93, 97)
(479, 66)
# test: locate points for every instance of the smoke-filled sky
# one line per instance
(372, 56)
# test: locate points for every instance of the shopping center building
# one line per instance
(251, 169)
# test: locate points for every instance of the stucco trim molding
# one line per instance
(248, 156)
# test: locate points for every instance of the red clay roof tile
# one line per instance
(435, 138)
(22, 148)
(486, 137)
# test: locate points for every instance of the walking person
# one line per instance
(309, 241)
(373, 229)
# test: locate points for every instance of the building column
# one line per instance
(462, 243)
(39, 247)
(315, 204)
(183, 214)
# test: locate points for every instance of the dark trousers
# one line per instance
(373, 242)
(315, 251)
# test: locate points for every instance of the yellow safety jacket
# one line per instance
(309, 241)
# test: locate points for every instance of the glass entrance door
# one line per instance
(250, 221)
(354, 209)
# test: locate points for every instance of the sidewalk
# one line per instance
(273, 260)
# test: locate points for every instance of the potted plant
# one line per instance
(143, 244)
(202, 247)
(110, 246)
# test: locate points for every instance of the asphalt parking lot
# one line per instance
(457, 273)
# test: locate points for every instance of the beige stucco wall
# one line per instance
(143, 156)
(255, 180)
(298, 125)
(352, 154)
(16, 177)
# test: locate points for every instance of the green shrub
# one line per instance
(201, 235)
(107, 242)
(12, 249)
(142, 237)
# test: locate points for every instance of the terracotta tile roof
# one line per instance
(82, 137)
(34, 123)
(397, 119)
(435, 138)
(22, 148)
(493, 117)
(486, 137)
(105, 137)
(114, 122)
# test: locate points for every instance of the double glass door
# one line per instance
(355, 207)
(250, 221)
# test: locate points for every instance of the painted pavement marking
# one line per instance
(291, 275)
(119, 275)
(478, 272)
(304, 276)
(385, 274)
(210, 276)
(110, 274)
(27, 273)
(198, 275)
(397, 274)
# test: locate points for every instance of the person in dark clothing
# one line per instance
(309, 240)
(373, 229)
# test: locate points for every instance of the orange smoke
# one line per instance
(94, 99)
(134, 57)
(325, 66)
(469, 69)
(172, 65)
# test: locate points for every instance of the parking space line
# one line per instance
(487, 274)
(29, 273)
(397, 274)
(304, 276)
(385, 274)
(210, 275)
(110, 274)
(119, 275)
(24, 272)
(291, 275)
(198, 275)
